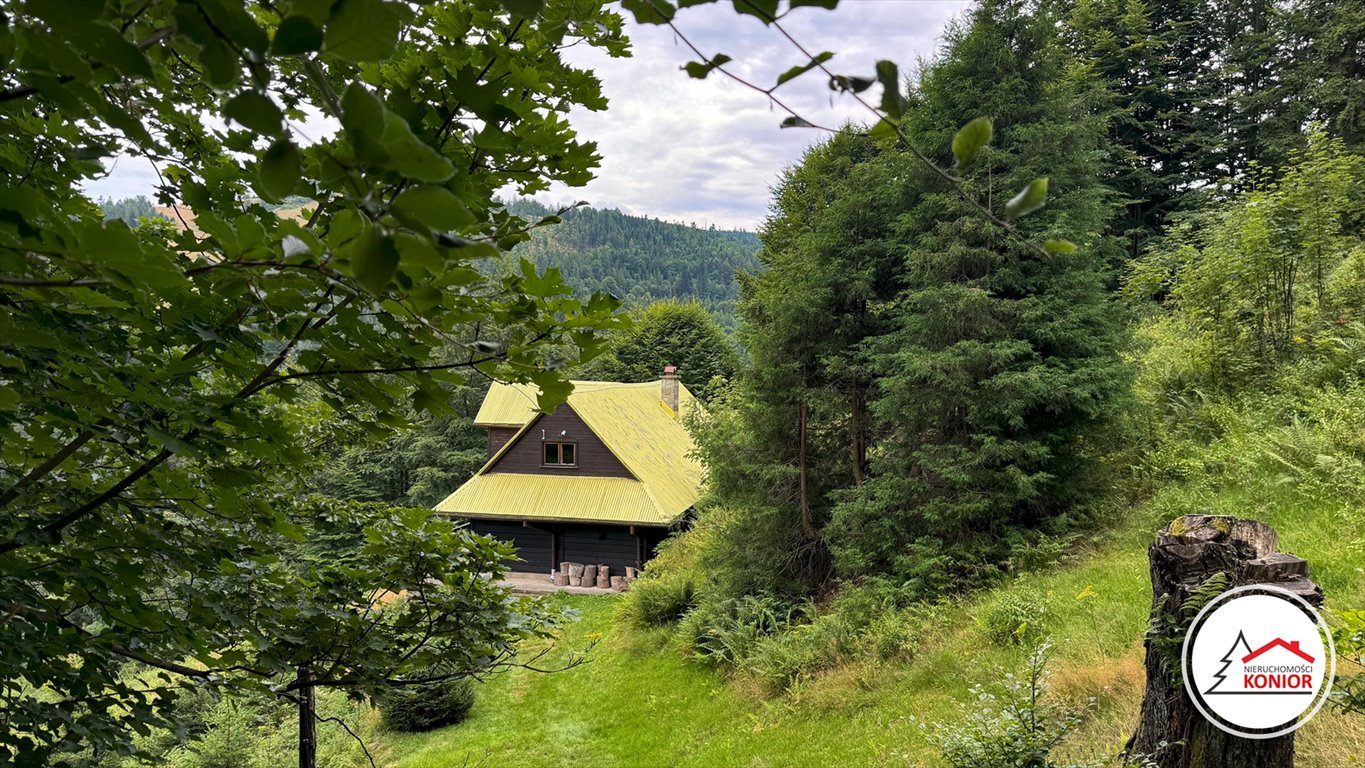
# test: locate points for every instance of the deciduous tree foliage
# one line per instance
(1273, 275)
(681, 334)
(152, 378)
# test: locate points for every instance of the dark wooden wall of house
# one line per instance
(533, 546)
(587, 543)
(593, 456)
(497, 437)
(608, 544)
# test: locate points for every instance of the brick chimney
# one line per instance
(669, 389)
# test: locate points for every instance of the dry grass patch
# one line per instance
(1331, 740)
(1116, 686)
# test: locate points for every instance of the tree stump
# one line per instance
(604, 576)
(1191, 550)
(590, 576)
(618, 583)
(561, 578)
(575, 574)
(631, 573)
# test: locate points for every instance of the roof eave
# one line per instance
(539, 519)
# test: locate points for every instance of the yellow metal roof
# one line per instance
(633, 422)
(555, 497)
(514, 405)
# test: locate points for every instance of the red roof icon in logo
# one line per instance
(1278, 643)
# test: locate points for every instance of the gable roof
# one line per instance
(1278, 643)
(514, 405)
(636, 426)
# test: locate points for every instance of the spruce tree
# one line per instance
(1000, 365)
(1156, 61)
(1324, 62)
(795, 429)
(1202, 91)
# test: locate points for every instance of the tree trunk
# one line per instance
(857, 419)
(1191, 550)
(803, 417)
(308, 735)
(604, 576)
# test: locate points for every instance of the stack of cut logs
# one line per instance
(580, 575)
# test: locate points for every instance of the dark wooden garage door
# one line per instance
(614, 546)
(533, 546)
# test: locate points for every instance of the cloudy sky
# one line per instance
(708, 151)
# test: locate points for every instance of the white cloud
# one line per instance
(127, 176)
(708, 151)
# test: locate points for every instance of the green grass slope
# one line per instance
(640, 701)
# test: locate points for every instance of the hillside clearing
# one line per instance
(640, 701)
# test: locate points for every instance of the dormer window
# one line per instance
(560, 454)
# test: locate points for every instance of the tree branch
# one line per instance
(354, 735)
(370, 371)
(41, 470)
(29, 282)
(25, 91)
(55, 527)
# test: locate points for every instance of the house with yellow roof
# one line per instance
(601, 480)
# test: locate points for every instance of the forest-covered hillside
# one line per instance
(640, 259)
(635, 258)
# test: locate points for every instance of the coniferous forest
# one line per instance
(1082, 288)
(642, 260)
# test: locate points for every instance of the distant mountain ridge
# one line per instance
(636, 258)
(640, 259)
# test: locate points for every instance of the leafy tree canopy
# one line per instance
(163, 385)
(1273, 275)
(681, 334)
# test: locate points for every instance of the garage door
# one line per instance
(614, 546)
(533, 546)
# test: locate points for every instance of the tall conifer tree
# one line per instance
(1156, 60)
(1203, 90)
(1001, 364)
(796, 428)
(1325, 65)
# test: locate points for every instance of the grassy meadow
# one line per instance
(640, 700)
